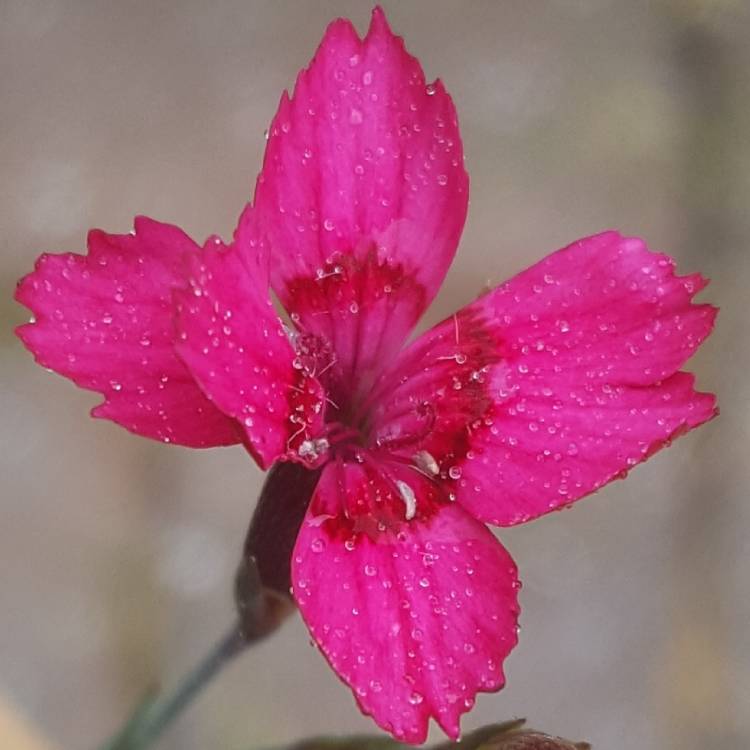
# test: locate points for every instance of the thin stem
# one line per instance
(148, 723)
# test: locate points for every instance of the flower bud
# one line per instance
(262, 583)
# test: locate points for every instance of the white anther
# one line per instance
(410, 500)
(426, 462)
(312, 449)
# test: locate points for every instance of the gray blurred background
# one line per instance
(117, 553)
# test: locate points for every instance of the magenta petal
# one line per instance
(416, 622)
(238, 350)
(363, 194)
(105, 320)
(557, 381)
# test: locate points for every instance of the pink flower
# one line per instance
(531, 397)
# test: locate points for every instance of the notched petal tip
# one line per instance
(104, 320)
(355, 588)
(363, 170)
(236, 349)
(380, 27)
(568, 374)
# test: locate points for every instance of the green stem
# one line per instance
(149, 721)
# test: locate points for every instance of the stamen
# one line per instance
(427, 463)
(405, 492)
(328, 367)
(409, 498)
(292, 437)
(429, 474)
(313, 449)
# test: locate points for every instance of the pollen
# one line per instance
(313, 449)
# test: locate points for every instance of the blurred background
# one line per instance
(117, 553)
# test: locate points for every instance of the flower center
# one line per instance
(354, 432)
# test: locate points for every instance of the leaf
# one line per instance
(509, 735)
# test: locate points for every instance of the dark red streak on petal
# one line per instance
(373, 504)
(452, 373)
(350, 303)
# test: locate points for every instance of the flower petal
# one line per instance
(237, 349)
(105, 320)
(363, 194)
(415, 619)
(556, 382)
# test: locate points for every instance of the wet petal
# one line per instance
(105, 320)
(554, 383)
(238, 350)
(363, 194)
(417, 618)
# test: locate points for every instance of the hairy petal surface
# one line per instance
(105, 320)
(363, 194)
(415, 616)
(238, 350)
(556, 382)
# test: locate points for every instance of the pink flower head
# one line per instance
(533, 396)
